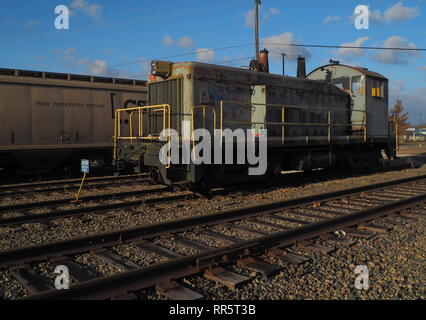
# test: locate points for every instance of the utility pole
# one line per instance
(256, 26)
(283, 54)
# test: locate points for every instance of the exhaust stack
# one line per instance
(264, 61)
(301, 67)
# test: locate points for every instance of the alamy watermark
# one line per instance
(62, 21)
(221, 143)
(362, 17)
(362, 280)
(62, 281)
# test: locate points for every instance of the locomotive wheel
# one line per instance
(155, 176)
(202, 190)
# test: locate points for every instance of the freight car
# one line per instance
(48, 121)
(336, 117)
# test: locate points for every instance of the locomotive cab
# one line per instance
(369, 93)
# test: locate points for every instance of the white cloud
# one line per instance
(233, 61)
(375, 15)
(279, 44)
(29, 24)
(94, 67)
(423, 68)
(32, 23)
(70, 51)
(397, 86)
(227, 61)
(249, 19)
(185, 42)
(249, 15)
(352, 52)
(273, 11)
(332, 18)
(93, 11)
(145, 66)
(398, 12)
(97, 67)
(168, 41)
(206, 55)
(396, 56)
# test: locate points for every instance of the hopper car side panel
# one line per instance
(47, 123)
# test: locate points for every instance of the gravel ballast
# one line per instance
(396, 259)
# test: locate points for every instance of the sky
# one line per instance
(120, 38)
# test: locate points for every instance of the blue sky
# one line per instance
(119, 38)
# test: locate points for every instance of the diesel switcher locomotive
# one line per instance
(336, 116)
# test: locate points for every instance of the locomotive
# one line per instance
(49, 121)
(336, 116)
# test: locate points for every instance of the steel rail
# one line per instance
(68, 181)
(92, 209)
(141, 278)
(87, 243)
(69, 187)
(49, 203)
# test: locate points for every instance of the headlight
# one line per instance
(161, 69)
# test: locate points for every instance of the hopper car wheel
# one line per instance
(68, 169)
(7, 165)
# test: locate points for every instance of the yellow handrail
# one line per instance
(204, 120)
(164, 108)
(283, 123)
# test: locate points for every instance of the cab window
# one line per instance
(342, 83)
(377, 88)
(356, 86)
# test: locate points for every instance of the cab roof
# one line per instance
(364, 71)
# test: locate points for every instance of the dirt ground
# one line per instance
(412, 149)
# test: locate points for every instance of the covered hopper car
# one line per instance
(311, 122)
(49, 121)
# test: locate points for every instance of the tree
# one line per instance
(398, 115)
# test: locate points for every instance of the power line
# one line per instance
(75, 21)
(182, 54)
(224, 61)
(344, 47)
(233, 60)
(120, 23)
(250, 44)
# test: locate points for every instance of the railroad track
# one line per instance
(22, 212)
(241, 236)
(66, 185)
(52, 186)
